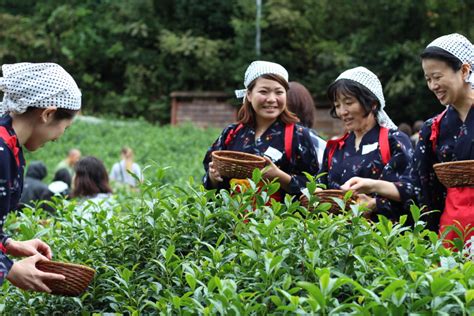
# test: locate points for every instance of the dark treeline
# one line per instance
(127, 56)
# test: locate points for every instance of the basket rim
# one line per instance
(453, 163)
(258, 159)
(65, 264)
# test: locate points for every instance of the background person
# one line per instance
(264, 126)
(34, 188)
(39, 103)
(91, 183)
(68, 163)
(301, 103)
(121, 170)
(372, 148)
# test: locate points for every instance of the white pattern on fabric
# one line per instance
(369, 80)
(458, 46)
(37, 85)
(257, 69)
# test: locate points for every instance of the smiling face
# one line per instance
(46, 128)
(268, 99)
(352, 113)
(446, 83)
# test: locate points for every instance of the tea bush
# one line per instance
(179, 249)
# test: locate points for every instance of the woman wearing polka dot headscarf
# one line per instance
(39, 103)
(373, 149)
(448, 67)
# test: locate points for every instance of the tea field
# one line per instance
(174, 248)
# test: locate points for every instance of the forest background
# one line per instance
(128, 56)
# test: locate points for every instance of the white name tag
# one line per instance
(370, 147)
(273, 154)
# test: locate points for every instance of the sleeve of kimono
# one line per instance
(304, 159)
(399, 165)
(5, 178)
(5, 266)
(323, 168)
(427, 189)
(219, 144)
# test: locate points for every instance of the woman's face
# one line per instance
(268, 99)
(46, 129)
(351, 112)
(446, 84)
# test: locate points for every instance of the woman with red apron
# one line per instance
(448, 67)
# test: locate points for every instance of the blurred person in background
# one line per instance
(301, 103)
(122, 171)
(68, 163)
(416, 132)
(34, 189)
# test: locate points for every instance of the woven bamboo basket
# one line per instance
(327, 196)
(455, 173)
(235, 164)
(77, 276)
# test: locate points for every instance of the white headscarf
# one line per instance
(37, 85)
(369, 80)
(460, 47)
(257, 69)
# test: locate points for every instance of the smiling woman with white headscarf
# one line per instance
(447, 63)
(39, 103)
(372, 148)
(267, 128)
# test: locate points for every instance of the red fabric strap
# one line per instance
(384, 145)
(289, 128)
(3, 249)
(333, 145)
(11, 142)
(232, 134)
(435, 129)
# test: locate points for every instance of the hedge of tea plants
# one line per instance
(179, 249)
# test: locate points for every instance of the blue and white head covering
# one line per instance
(257, 69)
(458, 46)
(37, 85)
(369, 80)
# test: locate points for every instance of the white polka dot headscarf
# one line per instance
(458, 46)
(257, 69)
(38, 85)
(369, 80)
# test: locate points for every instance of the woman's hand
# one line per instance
(369, 202)
(360, 185)
(214, 175)
(24, 275)
(272, 172)
(28, 248)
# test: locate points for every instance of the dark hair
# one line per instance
(405, 128)
(301, 103)
(417, 126)
(63, 175)
(60, 114)
(440, 54)
(91, 178)
(352, 88)
(246, 113)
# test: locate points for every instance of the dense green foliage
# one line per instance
(183, 250)
(129, 55)
(175, 248)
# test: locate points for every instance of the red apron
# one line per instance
(458, 211)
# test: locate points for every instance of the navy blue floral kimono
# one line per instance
(455, 142)
(367, 162)
(303, 158)
(11, 183)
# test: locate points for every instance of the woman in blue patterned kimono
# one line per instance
(267, 128)
(372, 148)
(448, 67)
(39, 103)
